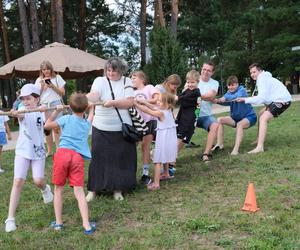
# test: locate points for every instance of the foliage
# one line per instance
(198, 209)
(168, 56)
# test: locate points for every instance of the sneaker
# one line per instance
(172, 170)
(10, 225)
(92, 230)
(192, 145)
(1, 171)
(146, 180)
(47, 194)
(56, 227)
(90, 196)
(118, 196)
(217, 148)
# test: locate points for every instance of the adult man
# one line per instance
(208, 88)
(273, 94)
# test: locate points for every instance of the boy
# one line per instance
(273, 94)
(242, 115)
(68, 160)
(188, 103)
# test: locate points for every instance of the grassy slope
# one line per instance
(199, 209)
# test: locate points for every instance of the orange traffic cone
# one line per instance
(250, 200)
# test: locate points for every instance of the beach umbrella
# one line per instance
(70, 63)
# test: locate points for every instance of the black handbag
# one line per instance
(129, 132)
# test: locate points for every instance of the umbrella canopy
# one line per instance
(69, 62)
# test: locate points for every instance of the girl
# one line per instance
(30, 149)
(4, 129)
(52, 90)
(150, 94)
(165, 151)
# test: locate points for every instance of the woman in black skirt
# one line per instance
(114, 160)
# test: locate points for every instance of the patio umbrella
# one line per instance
(69, 62)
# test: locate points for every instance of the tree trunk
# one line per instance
(159, 14)
(24, 26)
(34, 26)
(59, 21)
(43, 22)
(4, 34)
(143, 18)
(82, 24)
(53, 21)
(174, 17)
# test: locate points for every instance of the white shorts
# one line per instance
(22, 165)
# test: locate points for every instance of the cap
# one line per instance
(29, 89)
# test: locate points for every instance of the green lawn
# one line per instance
(199, 209)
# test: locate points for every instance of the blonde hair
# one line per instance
(168, 100)
(46, 65)
(193, 75)
(141, 75)
(172, 80)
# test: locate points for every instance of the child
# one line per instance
(150, 94)
(30, 150)
(188, 103)
(242, 115)
(4, 129)
(165, 151)
(68, 160)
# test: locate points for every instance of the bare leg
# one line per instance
(58, 203)
(212, 134)
(40, 183)
(263, 123)
(83, 207)
(15, 197)
(146, 145)
(49, 138)
(259, 114)
(157, 168)
(180, 145)
(225, 120)
(240, 126)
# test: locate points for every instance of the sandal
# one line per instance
(206, 157)
(164, 177)
(217, 148)
(153, 187)
(56, 227)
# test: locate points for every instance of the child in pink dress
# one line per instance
(150, 94)
(165, 151)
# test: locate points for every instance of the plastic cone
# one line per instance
(250, 200)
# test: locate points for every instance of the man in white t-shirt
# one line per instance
(273, 94)
(208, 88)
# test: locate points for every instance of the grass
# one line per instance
(199, 209)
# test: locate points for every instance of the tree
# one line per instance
(59, 21)
(24, 27)
(34, 25)
(143, 30)
(174, 17)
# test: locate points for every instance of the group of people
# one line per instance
(113, 158)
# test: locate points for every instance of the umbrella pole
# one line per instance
(9, 113)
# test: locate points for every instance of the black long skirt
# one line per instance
(114, 162)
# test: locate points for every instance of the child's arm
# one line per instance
(147, 104)
(91, 113)
(51, 123)
(154, 98)
(7, 130)
(144, 108)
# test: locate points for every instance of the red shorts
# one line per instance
(68, 164)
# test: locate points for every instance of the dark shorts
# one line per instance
(185, 134)
(277, 108)
(205, 122)
(252, 118)
(152, 124)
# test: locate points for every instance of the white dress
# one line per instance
(166, 139)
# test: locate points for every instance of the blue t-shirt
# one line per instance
(238, 110)
(75, 133)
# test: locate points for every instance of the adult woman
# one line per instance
(113, 164)
(170, 84)
(52, 90)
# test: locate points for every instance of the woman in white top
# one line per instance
(114, 160)
(52, 91)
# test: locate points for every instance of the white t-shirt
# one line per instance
(107, 119)
(49, 95)
(30, 143)
(204, 87)
(3, 118)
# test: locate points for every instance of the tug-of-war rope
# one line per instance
(13, 112)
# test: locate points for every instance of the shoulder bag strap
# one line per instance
(113, 97)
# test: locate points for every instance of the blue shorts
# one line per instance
(252, 118)
(205, 122)
(3, 140)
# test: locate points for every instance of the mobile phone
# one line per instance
(48, 81)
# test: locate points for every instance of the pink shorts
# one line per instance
(68, 164)
(22, 165)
